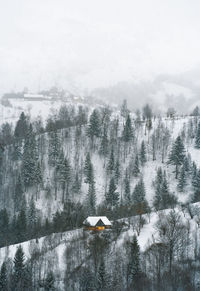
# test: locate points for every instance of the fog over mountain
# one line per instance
(135, 46)
(180, 91)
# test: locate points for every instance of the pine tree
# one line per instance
(127, 134)
(17, 150)
(88, 170)
(124, 109)
(164, 199)
(147, 112)
(68, 174)
(136, 168)
(87, 280)
(60, 161)
(32, 216)
(49, 282)
(14, 229)
(54, 148)
(139, 192)
(102, 277)
(187, 164)
(158, 189)
(76, 187)
(134, 271)
(21, 128)
(194, 173)
(114, 130)
(154, 146)
(177, 154)
(64, 175)
(94, 127)
(127, 191)
(112, 196)
(18, 194)
(28, 278)
(182, 179)
(143, 157)
(21, 226)
(19, 268)
(165, 192)
(104, 142)
(2, 151)
(197, 139)
(149, 124)
(111, 162)
(6, 134)
(4, 226)
(196, 111)
(38, 178)
(91, 199)
(29, 161)
(117, 172)
(90, 174)
(196, 185)
(87, 164)
(56, 221)
(3, 278)
(38, 174)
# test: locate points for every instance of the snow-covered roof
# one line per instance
(93, 220)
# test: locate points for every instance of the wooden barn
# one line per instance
(97, 223)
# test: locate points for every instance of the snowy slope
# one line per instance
(56, 246)
(48, 205)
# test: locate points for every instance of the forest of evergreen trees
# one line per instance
(55, 162)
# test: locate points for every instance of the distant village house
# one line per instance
(35, 97)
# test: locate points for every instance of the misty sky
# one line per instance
(90, 43)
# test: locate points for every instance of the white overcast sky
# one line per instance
(92, 43)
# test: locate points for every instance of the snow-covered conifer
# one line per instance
(136, 167)
(127, 134)
(143, 154)
(127, 191)
(177, 154)
(197, 138)
(3, 277)
(182, 179)
(112, 196)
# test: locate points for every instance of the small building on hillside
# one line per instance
(97, 223)
(35, 97)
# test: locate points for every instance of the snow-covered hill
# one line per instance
(88, 160)
(175, 127)
(65, 253)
